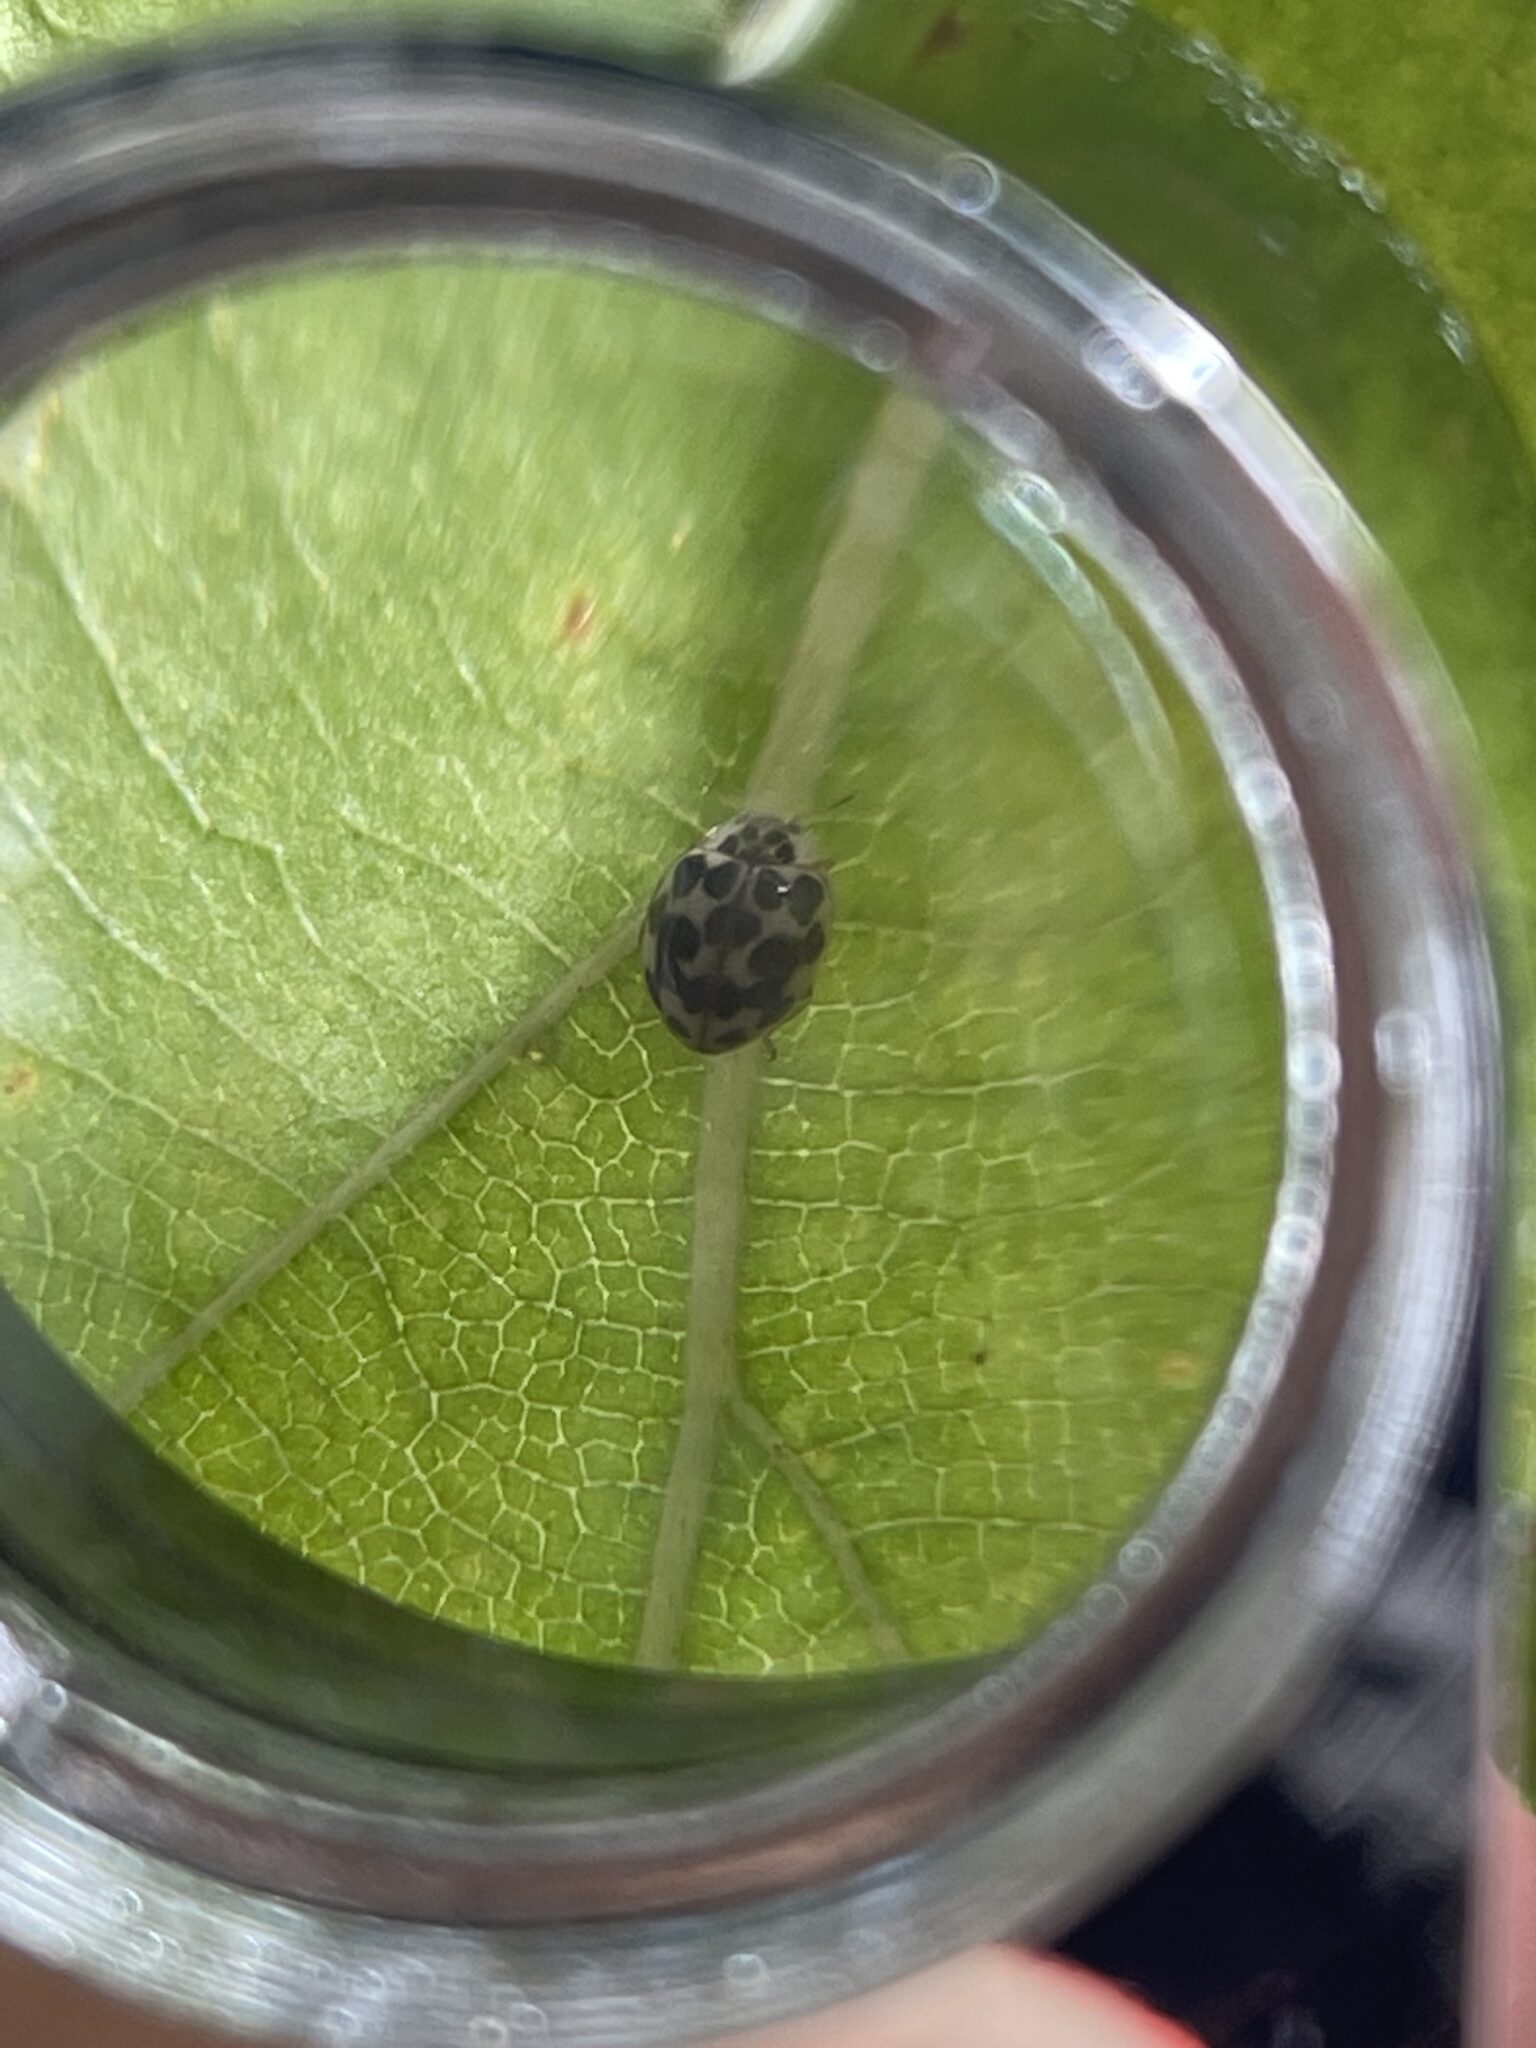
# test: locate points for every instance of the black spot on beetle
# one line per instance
(731, 925)
(806, 896)
(720, 878)
(727, 1041)
(693, 991)
(676, 1026)
(774, 959)
(769, 889)
(813, 944)
(685, 876)
(724, 998)
(679, 941)
(653, 915)
(731, 843)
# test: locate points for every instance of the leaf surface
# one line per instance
(373, 641)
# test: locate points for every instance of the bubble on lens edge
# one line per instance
(787, 297)
(1315, 713)
(1018, 435)
(1275, 123)
(1271, 1315)
(1141, 1559)
(1305, 949)
(1110, 15)
(969, 184)
(1312, 1124)
(1104, 1604)
(1229, 89)
(1263, 792)
(1304, 1198)
(880, 346)
(1234, 1412)
(1295, 1245)
(994, 1693)
(1202, 51)
(1034, 498)
(52, 1700)
(147, 1944)
(1313, 1066)
(1108, 360)
(745, 1972)
(1456, 334)
(1361, 187)
(1403, 1051)
(485, 2030)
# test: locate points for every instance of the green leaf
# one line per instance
(40, 35)
(353, 700)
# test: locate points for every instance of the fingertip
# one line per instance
(1083, 2008)
(997, 1997)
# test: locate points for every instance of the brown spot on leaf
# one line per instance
(949, 33)
(579, 614)
(20, 1084)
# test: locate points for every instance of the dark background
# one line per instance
(1324, 1906)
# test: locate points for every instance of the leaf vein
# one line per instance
(421, 1123)
(147, 958)
(834, 1535)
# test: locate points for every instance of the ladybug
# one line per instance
(734, 932)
